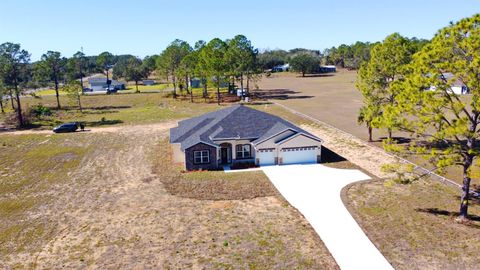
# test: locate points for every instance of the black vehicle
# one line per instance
(68, 127)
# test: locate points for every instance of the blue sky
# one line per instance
(144, 27)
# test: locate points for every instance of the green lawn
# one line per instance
(49, 92)
(142, 88)
(135, 108)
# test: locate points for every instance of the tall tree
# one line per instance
(149, 63)
(77, 67)
(214, 55)
(169, 61)
(74, 90)
(376, 79)
(188, 68)
(370, 112)
(447, 124)
(3, 93)
(105, 61)
(241, 57)
(52, 65)
(201, 66)
(135, 71)
(14, 71)
(304, 62)
(271, 58)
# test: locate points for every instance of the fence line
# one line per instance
(416, 166)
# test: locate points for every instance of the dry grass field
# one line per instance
(413, 225)
(331, 98)
(111, 199)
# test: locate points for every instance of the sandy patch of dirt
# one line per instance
(355, 150)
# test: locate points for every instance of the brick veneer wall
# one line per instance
(189, 158)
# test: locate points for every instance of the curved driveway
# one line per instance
(314, 190)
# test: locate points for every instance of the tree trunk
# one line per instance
(174, 87)
(390, 133)
(108, 83)
(136, 86)
(248, 83)
(465, 188)
(303, 73)
(11, 100)
(218, 93)
(370, 138)
(56, 92)
(1, 105)
(191, 95)
(19, 107)
(205, 91)
(241, 84)
(81, 80)
(80, 103)
(186, 84)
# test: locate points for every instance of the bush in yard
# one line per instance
(41, 110)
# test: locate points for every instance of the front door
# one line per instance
(224, 155)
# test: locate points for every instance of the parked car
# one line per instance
(86, 89)
(111, 89)
(68, 127)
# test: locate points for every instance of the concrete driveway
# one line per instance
(315, 191)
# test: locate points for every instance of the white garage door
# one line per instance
(266, 157)
(299, 155)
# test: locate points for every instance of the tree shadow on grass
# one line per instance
(99, 108)
(452, 214)
(102, 123)
(399, 140)
(99, 112)
(315, 75)
(280, 94)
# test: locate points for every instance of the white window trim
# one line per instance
(242, 151)
(202, 154)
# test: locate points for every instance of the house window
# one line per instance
(201, 157)
(243, 151)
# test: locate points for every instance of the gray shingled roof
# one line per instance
(238, 122)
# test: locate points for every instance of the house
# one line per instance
(281, 68)
(148, 82)
(240, 134)
(457, 87)
(195, 83)
(100, 84)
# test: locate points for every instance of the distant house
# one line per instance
(281, 68)
(195, 83)
(100, 84)
(240, 134)
(457, 87)
(328, 69)
(148, 82)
